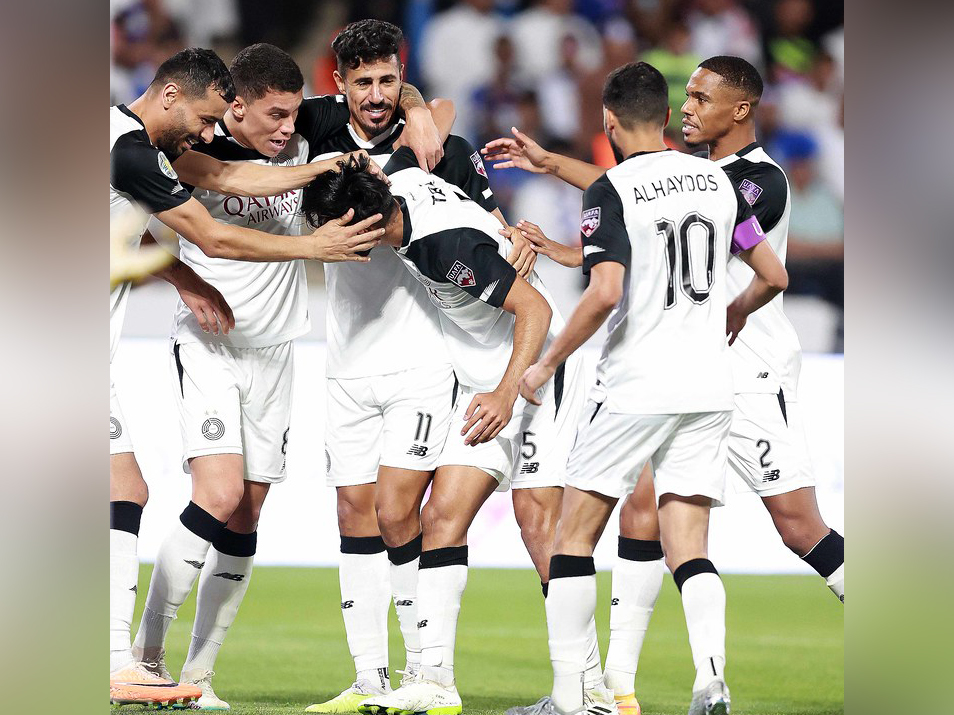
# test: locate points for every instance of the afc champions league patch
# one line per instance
(478, 164)
(590, 221)
(751, 191)
(166, 168)
(461, 275)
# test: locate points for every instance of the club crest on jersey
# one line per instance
(461, 275)
(478, 164)
(166, 168)
(590, 221)
(751, 191)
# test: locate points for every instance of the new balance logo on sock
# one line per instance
(231, 576)
(135, 589)
(197, 564)
(614, 602)
(770, 475)
(421, 624)
(404, 602)
(347, 604)
(418, 450)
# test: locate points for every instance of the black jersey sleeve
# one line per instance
(463, 167)
(765, 189)
(141, 170)
(748, 231)
(468, 258)
(602, 229)
(319, 118)
(402, 159)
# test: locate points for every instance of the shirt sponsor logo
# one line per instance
(461, 275)
(166, 168)
(478, 164)
(590, 221)
(750, 191)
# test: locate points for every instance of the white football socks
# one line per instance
(570, 604)
(637, 581)
(404, 567)
(364, 575)
(703, 601)
(441, 581)
(124, 522)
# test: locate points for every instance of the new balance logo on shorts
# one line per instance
(530, 468)
(231, 576)
(418, 450)
(422, 624)
(770, 475)
(347, 604)
(404, 602)
(196, 564)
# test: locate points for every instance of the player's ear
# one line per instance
(668, 117)
(339, 80)
(742, 110)
(239, 107)
(169, 94)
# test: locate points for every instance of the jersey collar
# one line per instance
(642, 153)
(363, 144)
(738, 155)
(130, 113)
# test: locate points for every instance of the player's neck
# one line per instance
(235, 129)
(140, 107)
(630, 143)
(394, 229)
(733, 142)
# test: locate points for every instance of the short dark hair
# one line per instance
(263, 67)
(195, 70)
(351, 186)
(366, 41)
(738, 74)
(637, 93)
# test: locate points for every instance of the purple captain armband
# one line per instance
(747, 234)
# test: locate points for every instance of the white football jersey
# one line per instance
(451, 246)
(141, 182)
(671, 220)
(767, 356)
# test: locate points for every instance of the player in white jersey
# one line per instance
(234, 391)
(492, 322)
(657, 231)
(189, 94)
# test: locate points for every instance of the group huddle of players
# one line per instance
(450, 367)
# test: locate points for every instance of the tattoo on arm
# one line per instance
(410, 97)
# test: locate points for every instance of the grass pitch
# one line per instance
(287, 648)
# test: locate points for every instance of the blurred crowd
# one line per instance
(539, 65)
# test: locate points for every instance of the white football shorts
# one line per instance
(397, 420)
(235, 401)
(687, 451)
(767, 446)
(532, 450)
(119, 440)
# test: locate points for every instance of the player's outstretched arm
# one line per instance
(522, 152)
(596, 303)
(564, 255)
(489, 413)
(770, 279)
(334, 241)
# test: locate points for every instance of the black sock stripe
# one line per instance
(201, 523)
(406, 553)
(563, 566)
(781, 404)
(639, 550)
(827, 555)
(125, 516)
(691, 568)
(558, 378)
(448, 556)
(362, 545)
(233, 543)
(175, 352)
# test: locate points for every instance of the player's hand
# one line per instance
(421, 134)
(206, 303)
(522, 256)
(337, 241)
(518, 153)
(734, 321)
(554, 250)
(534, 378)
(487, 414)
(373, 168)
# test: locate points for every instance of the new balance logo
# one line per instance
(770, 475)
(346, 604)
(422, 624)
(404, 602)
(196, 564)
(418, 450)
(762, 375)
(530, 468)
(614, 602)
(135, 589)
(231, 576)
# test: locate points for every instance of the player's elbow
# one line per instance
(217, 245)
(778, 279)
(606, 295)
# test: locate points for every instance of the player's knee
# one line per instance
(536, 527)
(800, 535)
(244, 519)
(222, 500)
(395, 519)
(438, 524)
(352, 514)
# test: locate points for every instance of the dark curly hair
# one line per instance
(366, 41)
(332, 193)
(263, 67)
(637, 93)
(195, 70)
(738, 74)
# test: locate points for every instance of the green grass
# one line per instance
(287, 649)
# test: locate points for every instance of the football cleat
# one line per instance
(156, 665)
(711, 700)
(543, 706)
(418, 696)
(137, 685)
(348, 700)
(598, 701)
(628, 704)
(202, 679)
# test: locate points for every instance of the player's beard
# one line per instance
(616, 152)
(171, 141)
(372, 130)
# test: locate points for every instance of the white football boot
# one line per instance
(711, 700)
(202, 679)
